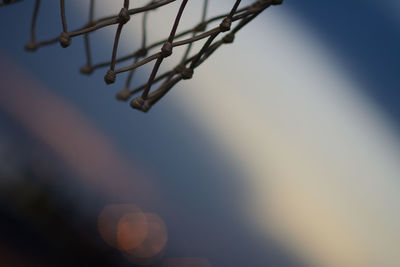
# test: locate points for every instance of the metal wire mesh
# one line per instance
(144, 96)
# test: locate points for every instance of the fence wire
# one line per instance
(144, 96)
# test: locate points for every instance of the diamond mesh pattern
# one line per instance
(145, 96)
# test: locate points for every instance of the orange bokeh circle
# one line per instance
(131, 231)
(153, 247)
(122, 226)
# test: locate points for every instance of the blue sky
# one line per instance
(194, 158)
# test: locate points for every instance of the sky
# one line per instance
(299, 168)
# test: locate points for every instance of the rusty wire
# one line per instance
(241, 16)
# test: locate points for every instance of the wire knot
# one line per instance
(86, 69)
(229, 38)
(166, 49)
(123, 95)
(110, 77)
(31, 46)
(225, 24)
(141, 104)
(65, 39)
(201, 27)
(124, 16)
(187, 73)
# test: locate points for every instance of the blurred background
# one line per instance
(289, 157)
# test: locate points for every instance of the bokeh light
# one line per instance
(292, 161)
(122, 226)
(141, 237)
(156, 238)
(155, 243)
(132, 230)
